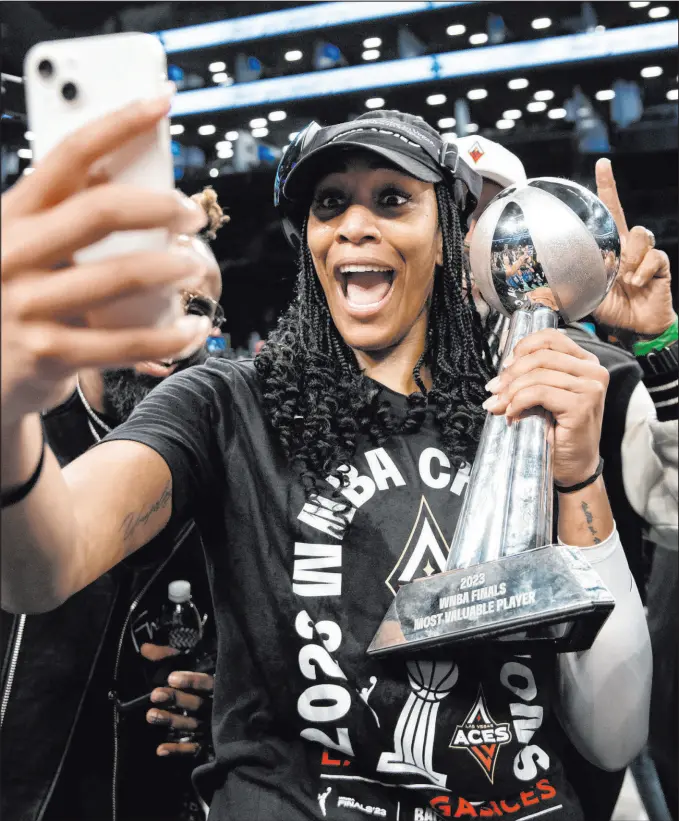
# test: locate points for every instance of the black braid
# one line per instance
(318, 401)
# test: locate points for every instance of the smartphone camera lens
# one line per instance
(69, 91)
(45, 69)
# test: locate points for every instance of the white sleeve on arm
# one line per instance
(649, 465)
(605, 692)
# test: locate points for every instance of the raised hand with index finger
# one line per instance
(640, 299)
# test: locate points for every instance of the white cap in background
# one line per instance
(491, 160)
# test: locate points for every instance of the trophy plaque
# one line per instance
(542, 251)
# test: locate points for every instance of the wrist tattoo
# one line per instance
(589, 518)
(132, 521)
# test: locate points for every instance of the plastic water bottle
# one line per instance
(180, 620)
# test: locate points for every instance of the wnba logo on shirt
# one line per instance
(481, 736)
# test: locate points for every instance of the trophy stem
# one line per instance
(508, 505)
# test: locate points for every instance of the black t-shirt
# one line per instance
(305, 724)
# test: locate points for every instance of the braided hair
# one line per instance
(319, 402)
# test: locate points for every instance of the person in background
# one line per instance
(638, 444)
(71, 751)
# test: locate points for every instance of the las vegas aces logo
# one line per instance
(481, 736)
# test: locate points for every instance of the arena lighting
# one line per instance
(223, 144)
(472, 128)
(477, 94)
(371, 54)
(639, 4)
(544, 95)
(458, 28)
(222, 77)
(449, 135)
(658, 12)
(535, 107)
(557, 113)
(215, 67)
(512, 114)
(372, 42)
(293, 56)
(213, 172)
(478, 39)
(504, 124)
(277, 116)
(28, 135)
(231, 135)
(206, 129)
(436, 99)
(374, 102)
(541, 23)
(25, 153)
(605, 94)
(651, 71)
(292, 136)
(672, 94)
(288, 21)
(517, 83)
(176, 128)
(260, 132)
(508, 57)
(258, 122)
(599, 29)
(446, 122)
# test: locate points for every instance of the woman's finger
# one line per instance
(90, 216)
(607, 191)
(540, 376)
(62, 350)
(178, 748)
(66, 168)
(654, 265)
(555, 400)
(176, 721)
(549, 339)
(200, 682)
(639, 242)
(546, 359)
(76, 290)
(170, 697)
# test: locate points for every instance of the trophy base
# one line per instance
(548, 596)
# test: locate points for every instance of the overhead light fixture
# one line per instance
(517, 83)
(541, 23)
(446, 122)
(557, 113)
(456, 29)
(225, 154)
(260, 132)
(372, 42)
(436, 99)
(292, 136)
(639, 4)
(605, 94)
(511, 114)
(472, 128)
(658, 11)
(651, 71)
(534, 107)
(223, 144)
(231, 135)
(28, 135)
(503, 125)
(672, 94)
(277, 116)
(25, 153)
(374, 102)
(477, 94)
(218, 66)
(546, 94)
(293, 56)
(222, 77)
(213, 172)
(205, 130)
(371, 54)
(258, 122)
(599, 29)
(176, 128)
(478, 39)
(449, 135)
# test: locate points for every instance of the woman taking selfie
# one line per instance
(322, 476)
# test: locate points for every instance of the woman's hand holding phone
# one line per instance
(49, 302)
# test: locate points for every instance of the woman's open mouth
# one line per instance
(365, 287)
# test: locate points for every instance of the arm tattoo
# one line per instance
(589, 518)
(132, 521)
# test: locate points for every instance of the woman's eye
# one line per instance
(328, 202)
(392, 199)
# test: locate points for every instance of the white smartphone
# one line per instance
(69, 83)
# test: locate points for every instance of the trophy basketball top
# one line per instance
(548, 241)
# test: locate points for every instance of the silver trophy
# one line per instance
(543, 250)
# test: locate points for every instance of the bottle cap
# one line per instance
(179, 591)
